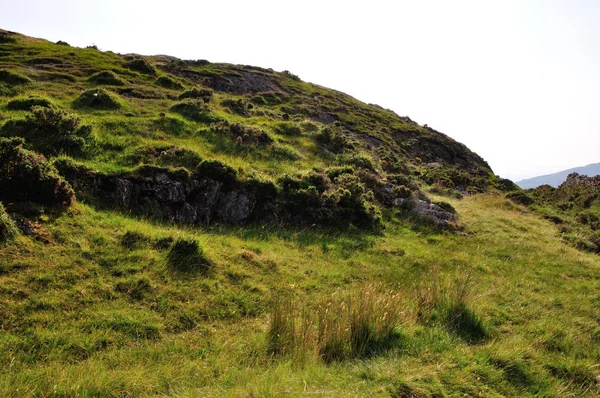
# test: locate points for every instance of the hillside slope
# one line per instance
(555, 179)
(182, 228)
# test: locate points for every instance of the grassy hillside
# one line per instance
(335, 286)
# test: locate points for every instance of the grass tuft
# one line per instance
(186, 255)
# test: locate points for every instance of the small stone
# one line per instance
(598, 380)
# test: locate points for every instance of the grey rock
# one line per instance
(236, 207)
(123, 192)
(432, 212)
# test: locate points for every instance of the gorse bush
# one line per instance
(8, 229)
(97, 99)
(186, 255)
(169, 83)
(106, 78)
(50, 131)
(27, 176)
(27, 103)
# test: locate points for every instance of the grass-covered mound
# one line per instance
(13, 78)
(97, 99)
(26, 103)
(106, 78)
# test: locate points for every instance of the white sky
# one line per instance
(517, 81)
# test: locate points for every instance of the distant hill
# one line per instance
(556, 179)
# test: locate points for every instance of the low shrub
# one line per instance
(334, 139)
(97, 99)
(141, 65)
(26, 103)
(520, 197)
(194, 110)
(27, 176)
(50, 131)
(186, 255)
(12, 78)
(360, 161)
(205, 94)
(8, 229)
(169, 83)
(314, 198)
(106, 78)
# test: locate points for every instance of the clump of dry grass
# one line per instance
(447, 302)
(354, 325)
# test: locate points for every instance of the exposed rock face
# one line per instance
(575, 179)
(177, 198)
(432, 212)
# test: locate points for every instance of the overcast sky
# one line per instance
(516, 81)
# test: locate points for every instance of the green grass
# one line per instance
(101, 303)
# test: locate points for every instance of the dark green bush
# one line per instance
(313, 198)
(360, 161)
(106, 78)
(26, 103)
(186, 255)
(194, 110)
(169, 83)
(142, 66)
(12, 78)
(8, 229)
(27, 176)
(334, 139)
(50, 131)
(205, 94)
(520, 197)
(336, 171)
(97, 99)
